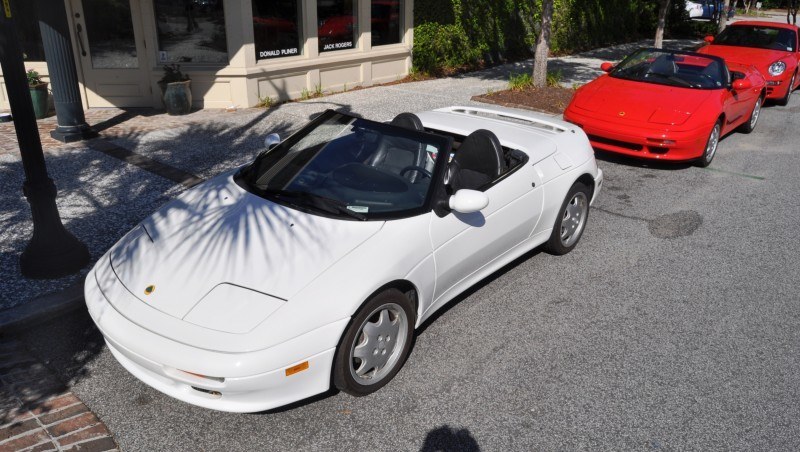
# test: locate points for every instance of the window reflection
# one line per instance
(109, 31)
(338, 24)
(191, 31)
(276, 28)
(386, 27)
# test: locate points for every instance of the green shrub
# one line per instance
(460, 34)
(439, 48)
(518, 82)
(554, 78)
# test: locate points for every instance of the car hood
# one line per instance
(760, 58)
(639, 101)
(218, 234)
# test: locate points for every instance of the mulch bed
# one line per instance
(552, 99)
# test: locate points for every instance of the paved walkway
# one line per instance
(38, 413)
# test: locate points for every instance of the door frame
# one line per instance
(89, 77)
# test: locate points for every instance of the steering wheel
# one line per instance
(416, 168)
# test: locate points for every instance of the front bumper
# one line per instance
(777, 87)
(636, 141)
(235, 382)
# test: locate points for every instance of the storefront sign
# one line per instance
(338, 45)
(276, 53)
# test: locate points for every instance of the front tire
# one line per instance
(375, 345)
(785, 100)
(571, 221)
(711, 146)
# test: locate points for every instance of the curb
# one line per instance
(42, 309)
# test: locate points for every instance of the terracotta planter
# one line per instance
(177, 97)
(39, 98)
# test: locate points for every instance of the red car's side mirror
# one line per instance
(742, 84)
(606, 67)
(709, 39)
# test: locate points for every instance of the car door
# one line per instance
(465, 243)
(736, 104)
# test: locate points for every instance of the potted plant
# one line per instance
(38, 90)
(176, 90)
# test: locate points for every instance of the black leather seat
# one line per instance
(408, 121)
(394, 154)
(664, 65)
(477, 162)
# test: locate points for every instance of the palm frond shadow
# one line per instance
(101, 199)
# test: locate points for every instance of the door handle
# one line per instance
(78, 31)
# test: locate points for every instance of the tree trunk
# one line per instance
(543, 46)
(723, 16)
(747, 5)
(662, 23)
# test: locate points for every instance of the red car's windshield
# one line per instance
(687, 70)
(758, 37)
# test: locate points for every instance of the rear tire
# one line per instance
(571, 221)
(711, 146)
(375, 345)
(748, 126)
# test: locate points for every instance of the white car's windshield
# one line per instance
(350, 167)
(686, 70)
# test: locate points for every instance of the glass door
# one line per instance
(111, 50)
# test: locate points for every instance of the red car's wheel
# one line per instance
(711, 146)
(785, 100)
(748, 126)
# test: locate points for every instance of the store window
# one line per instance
(338, 24)
(191, 31)
(109, 30)
(28, 29)
(276, 28)
(386, 27)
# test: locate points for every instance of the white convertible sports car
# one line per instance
(314, 265)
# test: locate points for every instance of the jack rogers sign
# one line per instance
(338, 45)
(263, 54)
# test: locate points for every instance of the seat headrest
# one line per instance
(408, 121)
(481, 151)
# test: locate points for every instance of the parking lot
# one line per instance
(673, 325)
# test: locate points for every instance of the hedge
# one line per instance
(451, 35)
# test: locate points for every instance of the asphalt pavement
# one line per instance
(673, 325)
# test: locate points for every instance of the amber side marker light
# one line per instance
(296, 369)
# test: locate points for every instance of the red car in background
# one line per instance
(667, 105)
(771, 47)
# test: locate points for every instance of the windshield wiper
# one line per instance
(312, 200)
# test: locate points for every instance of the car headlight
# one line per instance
(777, 68)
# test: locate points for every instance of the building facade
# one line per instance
(236, 52)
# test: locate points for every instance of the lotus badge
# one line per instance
(149, 289)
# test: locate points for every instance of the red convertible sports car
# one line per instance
(667, 105)
(769, 46)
